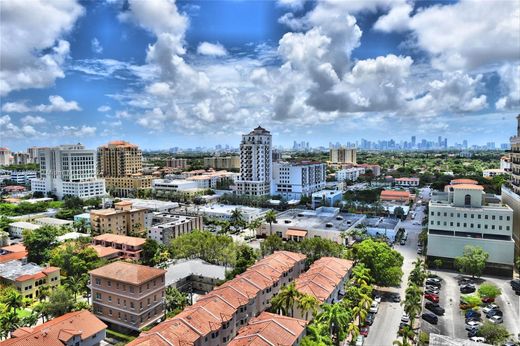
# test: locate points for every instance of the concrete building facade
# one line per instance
(222, 162)
(122, 219)
(166, 226)
(294, 180)
(511, 193)
(128, 247)
(29, 278)
(255, 163)
(343, 155)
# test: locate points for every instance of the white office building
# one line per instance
(294, 180)
(255, 163)
(461, 216)
(5, 157)
(225, 211)
(165, 186)
(23, 177)
(68, 170)
(350, 174)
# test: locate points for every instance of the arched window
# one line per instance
(467, 200)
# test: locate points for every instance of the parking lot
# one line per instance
(453, 323)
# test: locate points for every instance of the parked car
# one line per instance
(435, 308)
(377, 298)
(364, 330)
(473, 318)
(434, 276)
(429, 317)
(490, 307)
(515, 283)
(488, 300)
(471, 313)
(396, 298)
(496, 319)
(433, 282)
(432, 297)
(369, 319)
(419, 251)
(360, 340)
(467, 289)
(495, 312)
(473, 325)
(477, 339)
(472, 333)
(431, 290)
(374, 308)
(405, 318)
(465, 281)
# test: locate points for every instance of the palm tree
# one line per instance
(308, 303)
(255, 225)
(400, 343)
(30, 320)
(270, 218)
(318, 334)
(237, 218)
(336, 318)
(407, 333)
(13, 300)
(9, 322)
(285, 300)
(75, 285)
(361, 275)
(412, 302)
(353, 329)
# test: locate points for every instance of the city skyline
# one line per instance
(198, 73)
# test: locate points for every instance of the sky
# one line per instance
(165, 73)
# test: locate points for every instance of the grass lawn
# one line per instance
(23, 313)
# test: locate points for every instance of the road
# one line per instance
(386, 323)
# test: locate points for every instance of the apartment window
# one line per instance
(500, 217)
(109, 283)
(98, 296)
(132, 289)
(110, 312)
(480, 216)
(131, 305)
(465, 216)
(451, 223)
(109, 298)
(492, 217)
(98, 282)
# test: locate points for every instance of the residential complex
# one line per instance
(326, 198)
(511, 193)
(343, 155)
(28, 278)
(225, 211)
(78, 328)
(127, 296)
(194, 275)
(177, 163)
(205, 179)
(5, 157)
(350, 174)
(255, 163)
(294, 180)
(461, 216)
(122, 219)
(68, 170)
(222, 162)
(168, 226)
(129, 185)
(127, 247)
(16, 229)
(407, 182)
(216, 317)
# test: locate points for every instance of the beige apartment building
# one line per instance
(173, 162)
(127, 247)
(216, 317)
(343, 155)
(222, 162)
(127, 296)
(122, 219)
(28, 278)
(129, 185)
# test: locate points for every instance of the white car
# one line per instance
(377, 299)
(477, 339)
(360, 340)
(489, 307)
(472, 325)
(405, 318)
(374, 307)
(496, 319)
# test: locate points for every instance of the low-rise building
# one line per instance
(222, 162)
(28, 278)
(166, 226)
(326, 198)
(16, 228)
(23, 177)
(194, 275)
(122, 219)
(325, 281)
(395, 196)
(382, 227)
(83, 216)
(294, 180)
(350, 174)
(216, 317)
(78, 328)
(53, 222)
(407, 182)
(107, 253)
(490, 173)
(224, 211)
(13, 252)
(128, 247)
(127, 296)
(71, 236)
(164, 187)
(298, 224)
(459, 217)
(128, 186)
(271, 329)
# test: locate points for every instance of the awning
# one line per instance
(296, 233)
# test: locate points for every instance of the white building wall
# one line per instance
(293, 181)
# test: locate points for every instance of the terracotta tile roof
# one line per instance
(58, 331)
(323, 277)
(463, 181)
(120, 239)
(169, 332)
(13, 256)
(104, 251)
(132, 273)
(14, 248)
(229, 294)
(48, 270)
(270, 329)
(467, 187)
(394, 193)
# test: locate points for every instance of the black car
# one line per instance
(435, 308)
(473, 318)
(430, 317)
(472, 333)
(396, 298)
(495, 312)
(430, 282)
(369, 319)
(434, 276)
(515, 283)
(467, 289)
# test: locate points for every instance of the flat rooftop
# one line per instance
(167, 219)
(152, 204)
(318, 219)
(53, 221)
(14, 269)
(227, 209)
(381, 222)
(182, 269)
(25, 225)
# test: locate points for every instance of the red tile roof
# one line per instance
(467, 187)
(270, 329)
(131, 273)
(463, 181)
(58, 331)
(120, 239)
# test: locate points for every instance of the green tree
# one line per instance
(494, 334)
(60, 302)
(412, 302)
(308, 304)
(76, 284)
(9, 322)
(12, 299)
(489, 290)
(39, 243)
(150, 248)
(254, 226)
(271, 244)
(237, 219)
(245, 257)
(399, 212)
(315, 248)
(473, 261)
(29, 320)
(174, 301)
(4, 223)
(337, 319)
(270, 218)
(75, 259)
(437, 263)
(317, 335)
(472, 300)
(286, 299)
(383, 261)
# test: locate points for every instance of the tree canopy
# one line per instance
(383, 261)
(40, 243)
(473, 261)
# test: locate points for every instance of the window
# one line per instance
(98, 282)
(98, 296)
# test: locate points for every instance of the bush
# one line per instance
(119, 336)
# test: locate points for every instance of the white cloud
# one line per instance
(33, 120)
(77, 131)
(104, 109)
(293, 4)
(32, 51)
(56, 104)
(397, 19)
(96, 46)
(211, 49)
(10, 130)
(510, 85)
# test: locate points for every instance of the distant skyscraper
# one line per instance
(413, 141)
(255, 163)
(343, 155)
(465, 144)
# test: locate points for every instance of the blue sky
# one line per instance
(161, 73)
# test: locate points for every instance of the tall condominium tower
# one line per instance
(119, 159)
(255, 163)
(343, 155)
(68, 170)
